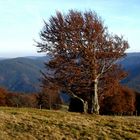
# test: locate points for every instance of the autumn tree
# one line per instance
(82, 52)
(21, 100)
(110, 82)
(121, 100)
(48, 97)
(3, 94)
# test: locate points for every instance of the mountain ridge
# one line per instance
(22, 74)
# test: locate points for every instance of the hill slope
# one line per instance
(132, 65)
(35, 124)
(21, 74)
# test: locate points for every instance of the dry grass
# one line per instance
(34, 124)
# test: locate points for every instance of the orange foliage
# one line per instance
(82, 52)
(3, 94)
(21, 100)
(120, 100)
(49, 98)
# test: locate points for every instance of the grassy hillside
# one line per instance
(33, 124)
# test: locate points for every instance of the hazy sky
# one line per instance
(22, 20)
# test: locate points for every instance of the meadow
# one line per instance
(36, 124)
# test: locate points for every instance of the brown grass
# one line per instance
(34, 124)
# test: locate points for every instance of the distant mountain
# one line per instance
(22, 74)
(2, 58)
(131, 64)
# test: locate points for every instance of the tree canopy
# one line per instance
(83, 52)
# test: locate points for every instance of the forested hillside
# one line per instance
(23, 74)
(131, 64)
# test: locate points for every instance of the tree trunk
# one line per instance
(85, 107)
(84, 103)
(93, 105)
(78, 105)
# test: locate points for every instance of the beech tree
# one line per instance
(82, 52)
